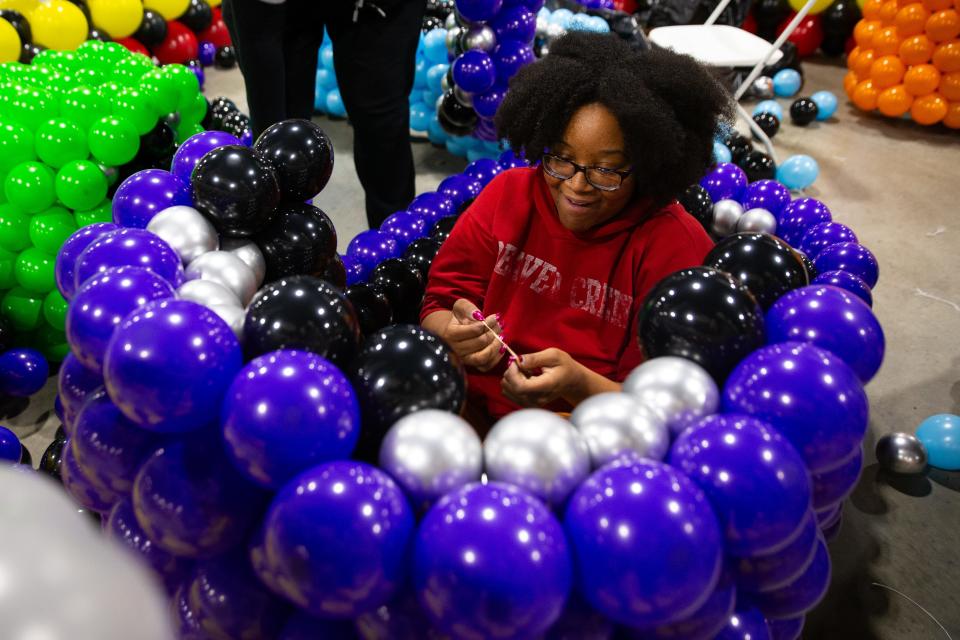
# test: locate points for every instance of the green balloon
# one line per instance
(55, 310)
(16, 146)
(50, 229)
(81, 184)
(23, 308)
(51, 342)
(185, 130)
(130, 70)
(162, 90)
(113, 141)
(60, 141)
(90, 75)
(186, 82)
(108, 90)
(195, 113)
(14, 228)
(114, 52)
(8, 278)
(35, 270)
(84, 106)
(62, 60)
(133, 104)
(29, 185)
(91, 50)
(32, 108)
(103, 212)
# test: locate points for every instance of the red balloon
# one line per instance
(179, 46)
(217, 31)
(807, 36)
(750, 24)
(134, 45)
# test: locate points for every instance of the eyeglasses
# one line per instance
(598, 177)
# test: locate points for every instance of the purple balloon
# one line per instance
(201, 76)
(288, 411)
(487, 103)
(485, 130)
(820, 236)
(774, 570)
(459, 189)
(491, 560)
(807, 394)
(802, 594)
(833, 319)
(404, 227)
(848, 281)
(372, 247)
(629, 524)
(353, 269)
(11, 449)
(832, 487)
(102, 303)
(831, 531)
(580, 622)
(800, 215)
(726, 181)
(745, 624)
(122, 526)
(850, 257)
(147, 193)
(335, 540)
(755, 480)
(129, 247)
(484, 170)
(433, 206)
(207, 52)
(74, 384)
(185, 623)
(473, 71)
(479, 10)
(509, 57)
(82, 488)
(516, 23)
(704, 624)
(786, 629)
(195, 147)
(828, 516)
(510, 160)
(766, 194)
(169, 364)
(71, 250)
(301, 626)
(400, 619)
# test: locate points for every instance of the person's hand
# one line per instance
(469, 338)
(546, 376)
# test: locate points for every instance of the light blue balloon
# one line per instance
(326, 57)
(786, 82)
(476, 154)
(543, 13)
(940, 434)
(419, 116)
(326, 79)
(435, 46)
(320, 99)
(580, 22)
(335, 106)
(456, 149)
(435, 76)
(435, 131)
(428, 97)
(600, 25)
(798, 172)
(769, 106)
(420, 74)
(561, 17)
(721, 153)
(826, 103)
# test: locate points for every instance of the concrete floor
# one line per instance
(898, 186)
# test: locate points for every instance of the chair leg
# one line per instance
(716, 12)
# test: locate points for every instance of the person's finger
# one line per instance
(489, 356)
(540, 359)
(464, 311)
(459, 332)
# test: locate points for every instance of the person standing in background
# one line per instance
(374, 44)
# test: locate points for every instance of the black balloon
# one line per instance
(235, 123)
(803, 111)
(300, 240)
(768, 15)
(790, 60)
(51, 459)
(301, 312)
(25, 457)
(456, 112)
(764, 264)
(740, 149)
(97, 34)
(152, 30)
(703, 315)
(441, 230)
(812, 271)
(335, 272)
(768, 123)
(399, 370)
(455, 130)
(6, 334)
(430, 23)
(29, 51)
(758, 166)
(19, 22)
(159, 142)
(60, 433)
(302, 156)
(235, 188)
(371, 305)
(221, 106)
(226, 58)
(403, 285)
(838, 20)
(698, 203)
(198, 16)
(834, 45)
(421, 253)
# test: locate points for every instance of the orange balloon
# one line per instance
(946, 57)
(936, 5)
(886, 41)
(871, 9)
(888, 11)
(850, 82)
(929, 109)
(911, 20)
(894, 101)
(952, 119)
(865, 96)
(921, 79)
(949, 85)
(863, 32)
(916, 50)
(943, 25)
(863, 63)
(886, 72)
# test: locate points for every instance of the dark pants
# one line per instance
(277, 47)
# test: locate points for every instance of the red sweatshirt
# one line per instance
(579, 292)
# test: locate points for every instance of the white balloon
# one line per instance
(726, 214)
(757, 220)
(250, 253)
(186, 231)
(208, 293)
(680, 390)
(617, 423)
(227, 269)
(233, 315)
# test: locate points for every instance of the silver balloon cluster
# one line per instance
(901, 453)
(763, 88)
(757, 220)
(726, 216)
(678, 390)
(617, 424)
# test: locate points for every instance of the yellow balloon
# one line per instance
(119, 18)
(58, 25)
(213, 3)
(9, 42)
(169, 9)
(23, 6)
(818, 6)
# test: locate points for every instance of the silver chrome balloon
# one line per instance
(763, 88)
(250, 253)
(463, 97)
(450, 21)
(901, 453)
(479, 38)
(554, 31)
(542, 25)
(233, 315)
(538, 451)
(726, 215)
(227, 269)
(208, 293)
(453, 37)
(614, 424)
(445, 85)
(430, 453)
(757, 220)
(676, 388)
(186, 231)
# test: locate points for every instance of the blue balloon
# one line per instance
(515, 22)
(509, 57)
(798, 172)
(169, 364)
(725, 181)
(335, 106)
(82, 488)
(851, 257)
(435, 77)
(371, 247)
(23, 372)
(766, 194)
(787, 82)
(483, 170)
(830, 488)
(755, 480)
(774, 570)
(353, 268)
(625, 524)
(288, 411)
(487, 103)
(405, 227)
(186, 625)
(491, 560)
(420, 74)
(940, 434)
(848, 281)
(807, 394)
(74, 384)
(820, 236)
(432, 206)
(704, 623)
(799, 216)
(326, 79)
(10, 448)
(721, 153)
(435, 46)
(147, 193)
(122, 527)
(476, 154)
(326, 57)
(474, 72)
(561, 17)
(745, 624)
(455, 148)
(510, 160)
(833, 319)
(195, 147)
(479, 10)
(103, 302)
(799, 596)
(400, 619)
(580, 621)
(435, 131)
(420, 116)
(65, 269)
(826, 104)
(786, 629)
(335, 540)
(769, 106)
(300, 626)
(129, 247)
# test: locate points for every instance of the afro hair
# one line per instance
(668, 106)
